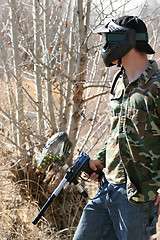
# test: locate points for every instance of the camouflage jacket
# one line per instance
(132, 152)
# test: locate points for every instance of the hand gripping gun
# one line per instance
(57, 149)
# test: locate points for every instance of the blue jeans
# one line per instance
(110, 216)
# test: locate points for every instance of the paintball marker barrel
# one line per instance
(51, 198)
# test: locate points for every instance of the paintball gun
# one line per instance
(57, 149)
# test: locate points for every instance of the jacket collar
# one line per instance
(149, 72)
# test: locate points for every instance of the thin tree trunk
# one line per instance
(81, 73)
(47, 59)
(70, 64)
(17, 72)
(11, 96)
(92, 78)
(37, 70)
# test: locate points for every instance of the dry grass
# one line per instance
(19, 207)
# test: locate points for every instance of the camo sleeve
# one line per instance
(101, 155)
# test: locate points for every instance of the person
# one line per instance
(126, 207)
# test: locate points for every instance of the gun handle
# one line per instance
(89, 171)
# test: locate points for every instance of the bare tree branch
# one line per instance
(95, 96)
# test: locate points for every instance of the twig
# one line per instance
(33, 101)
(11, 141)
(20, 160)
(104, 86)
(94, 96)
(19, 125)
(48, 67)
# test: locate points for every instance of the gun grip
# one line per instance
(89, 171)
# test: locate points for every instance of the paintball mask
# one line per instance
(120, 36)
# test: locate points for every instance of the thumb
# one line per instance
(156, 203)
(157, 200)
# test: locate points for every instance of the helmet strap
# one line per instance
(119, 62)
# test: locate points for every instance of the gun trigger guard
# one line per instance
(85, 179)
